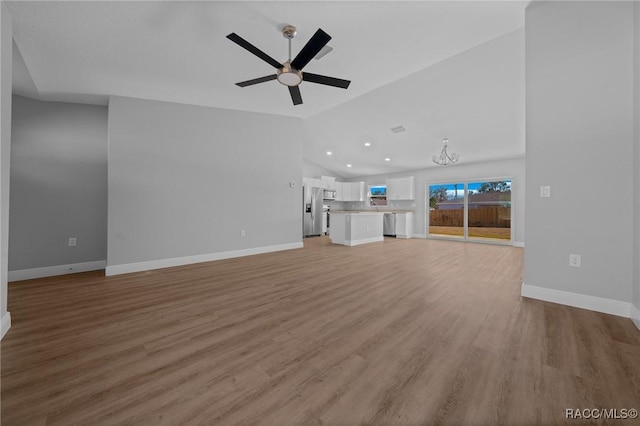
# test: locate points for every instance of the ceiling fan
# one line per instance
(290, 72)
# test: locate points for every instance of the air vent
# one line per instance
(398, 129)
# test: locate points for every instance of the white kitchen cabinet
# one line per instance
(329, 182)
(339, 191)
(354, 228)
(349, 191)
(404, 225)
(401, 188)
(392, 189)
(357, 191)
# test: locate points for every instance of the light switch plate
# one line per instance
(545, 191)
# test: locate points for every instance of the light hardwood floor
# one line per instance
(397, 332)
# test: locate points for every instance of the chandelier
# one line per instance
(445, 158)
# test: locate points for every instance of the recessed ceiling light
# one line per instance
(348, 165)
(387, 159)
(367, 144)
(329, 153)
(398, 129)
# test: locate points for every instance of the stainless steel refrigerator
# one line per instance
(312, 208)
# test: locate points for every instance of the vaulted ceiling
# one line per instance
(400, 57)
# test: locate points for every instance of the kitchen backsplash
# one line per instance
(364, 205)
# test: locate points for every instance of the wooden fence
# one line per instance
(487, 216)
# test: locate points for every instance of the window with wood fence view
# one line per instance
(488, 210)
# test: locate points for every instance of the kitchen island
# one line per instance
(354, 228)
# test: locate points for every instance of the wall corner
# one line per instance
(6, 83)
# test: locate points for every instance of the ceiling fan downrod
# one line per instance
(289, 32)
(287, 75)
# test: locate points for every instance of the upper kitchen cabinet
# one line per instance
(401, 188)
(350, 191)
(329, 182)
(340, 191)
(357, 191)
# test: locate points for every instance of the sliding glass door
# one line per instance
(446, 210)
(489, 206)
(471, 210)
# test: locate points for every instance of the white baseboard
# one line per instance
(593, 303)
(50, 271)
(518, 244)
(188, 260)
(419, 236)
(6, 324)
(635, 315)
(363, 241)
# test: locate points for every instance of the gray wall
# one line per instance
(185, 180)
(58, 184)
(6, 40)
(579, 129)
(514, 169)
(312, 170)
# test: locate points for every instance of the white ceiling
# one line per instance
(476, 99)
(178, 52)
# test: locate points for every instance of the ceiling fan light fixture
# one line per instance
(289, 76)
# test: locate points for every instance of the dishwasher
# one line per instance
(389, 224)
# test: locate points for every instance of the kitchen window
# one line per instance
(377, 195)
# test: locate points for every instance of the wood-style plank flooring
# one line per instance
(400, 332)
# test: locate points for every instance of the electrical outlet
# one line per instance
(73, 241)
(575, 260)
(243, 233)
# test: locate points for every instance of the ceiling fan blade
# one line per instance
(257, 80)
(251, 48)
(311, 49)
(323, 79)
(296, 97)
